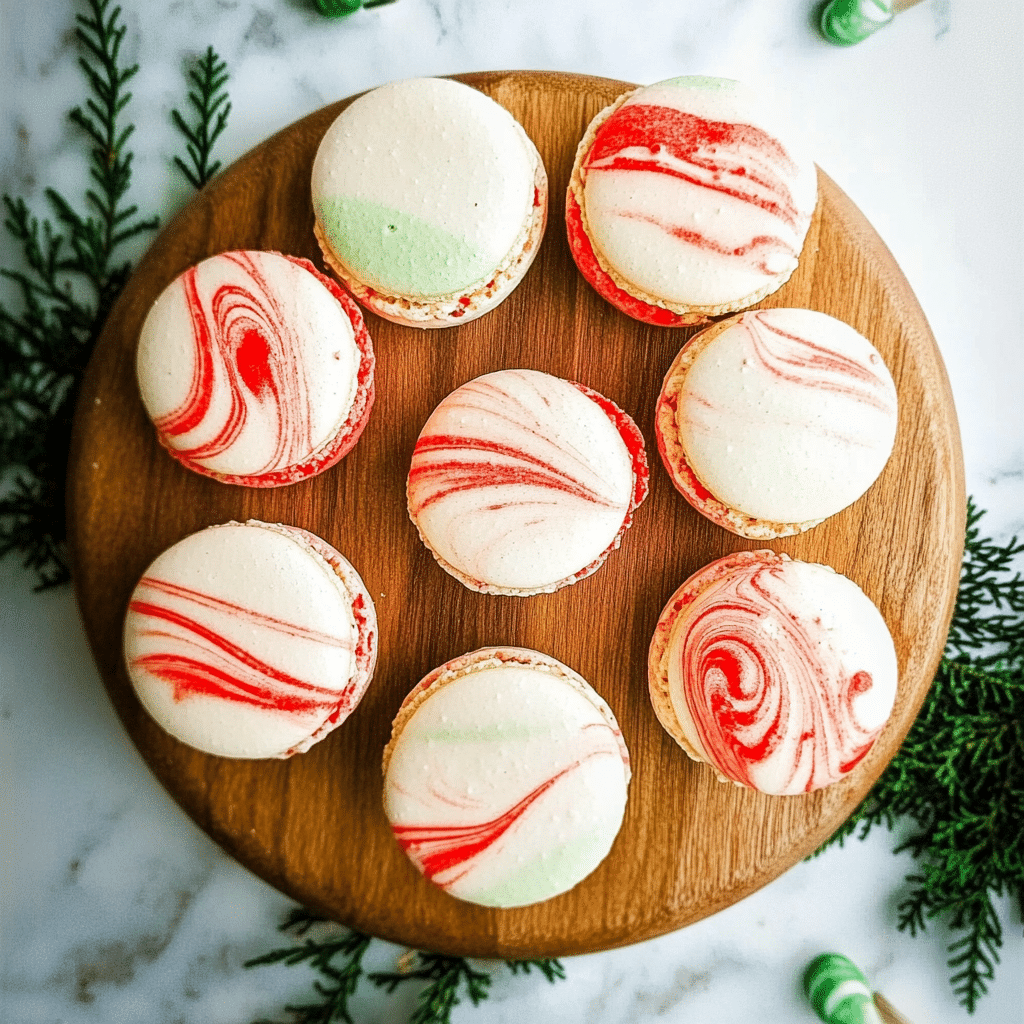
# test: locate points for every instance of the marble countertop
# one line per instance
(115, 907)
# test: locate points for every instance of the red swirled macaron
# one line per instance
(256, 369)
(686, 201)
(250, 640)
(778, 673)
(770, 421)
(506, 777)
(522, 483)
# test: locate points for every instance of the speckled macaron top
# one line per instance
(256, 369)
(250, 640)
(522, 482)
(687, 201)
(780, 674)
(506, 777)
(773, 420)
(429, 199)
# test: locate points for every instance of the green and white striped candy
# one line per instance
(846, 22)
(838, 991)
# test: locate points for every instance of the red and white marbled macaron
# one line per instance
(522, 483)
(771, 421)
(506, 777)
(779, 674)
(685, 202)
(250, 640)
(256, 369)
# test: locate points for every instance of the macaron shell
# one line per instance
(364, 614)
(506, 780)
(605, 285)
(772, 421)
(780, 674)
(255, 369)
(422, 188)
(522, 482)
(460, 307)
(491, 657)
(690, 201)
(243, 640)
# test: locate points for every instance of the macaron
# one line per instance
(505, 778)
(250, 640)
(771, 421)
(522, 483)
(430, 201)
(779, 674)
(686, 201)
(256, 369)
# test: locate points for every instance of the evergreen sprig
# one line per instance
(988, 624)
(209, 99)
(70, 279)
(72, 271)
(341, 980)
(96, 239)
(959, 776)
(550, 968)
(448, 978)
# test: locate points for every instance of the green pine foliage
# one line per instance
(551, 969)
(445, 980)
(209, 99)
(71, 275)
(339, 978)
(446, 977)
(959, 776)
(72, 271)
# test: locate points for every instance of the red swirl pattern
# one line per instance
(801, 360)
(605, 286)
(735, 160)
(447, 853)
(505, 778)
(773, 703)
(767, 193)
(244, 344)
(528, 477)
(785, 347)
(250, 639)
(196, 658)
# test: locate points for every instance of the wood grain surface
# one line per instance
(313, 826)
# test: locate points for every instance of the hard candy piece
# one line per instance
(846, 22)
(338, 8)
(838, 991)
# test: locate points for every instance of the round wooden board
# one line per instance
(313, 826)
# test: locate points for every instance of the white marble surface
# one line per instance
(115, 907)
